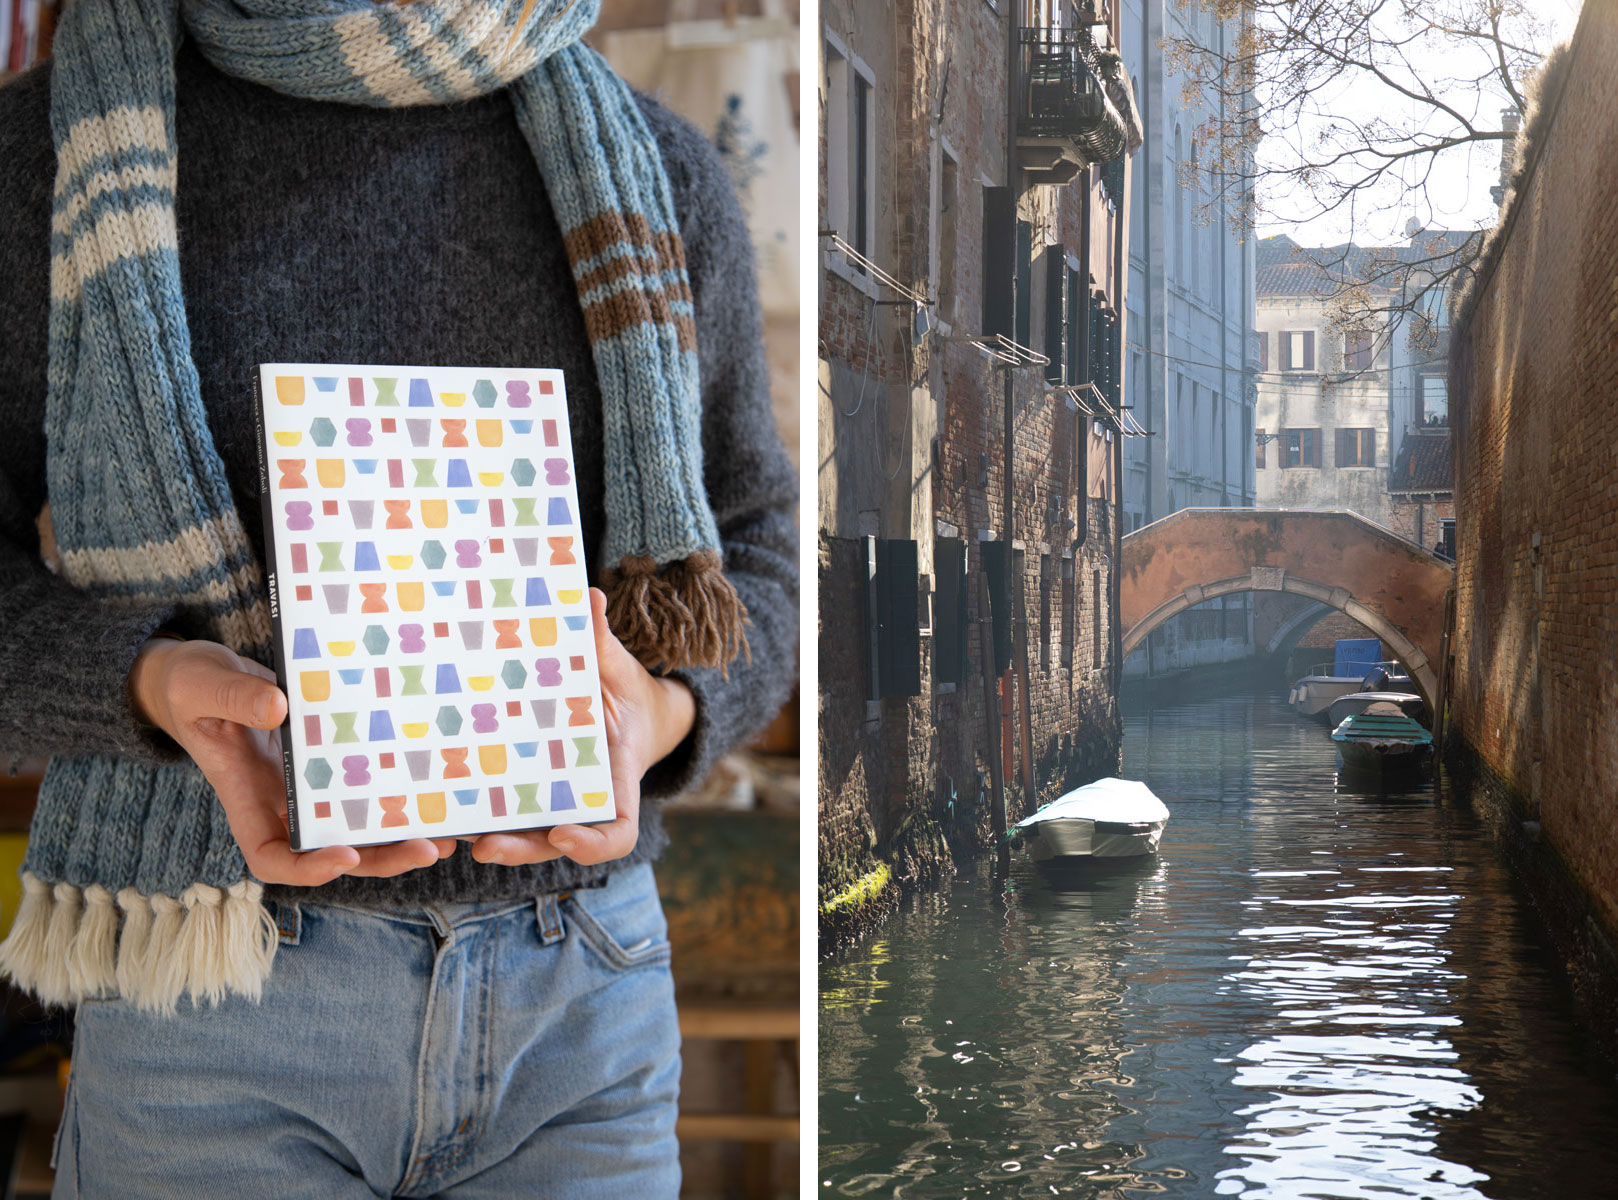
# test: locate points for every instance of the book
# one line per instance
(430, 605)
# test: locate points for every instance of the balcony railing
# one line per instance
(1063, 97)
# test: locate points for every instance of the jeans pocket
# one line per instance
(623, 922)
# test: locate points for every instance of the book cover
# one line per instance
(429, 597)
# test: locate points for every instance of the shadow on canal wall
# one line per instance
(1533, 357)
(1552, 891)
(865, 872)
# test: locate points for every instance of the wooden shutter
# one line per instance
(898, 626)
(1055, 312)
(1345, 448)
(1263, 353)
(1025, 290)
(949, 612)
(1309, 350)
(997, 565)
(999, 258)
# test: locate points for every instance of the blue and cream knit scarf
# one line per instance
(139, 500)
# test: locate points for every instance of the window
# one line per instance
(1258, 450)
(1432, 402)
(1263, 352)
(1356, 447)
(850, 153)
(1300, 448)
(1298, 350)
(1358, 351)
(1446, 539)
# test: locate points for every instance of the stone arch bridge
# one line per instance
(1389, 585)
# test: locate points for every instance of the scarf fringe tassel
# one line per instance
(208, 943)
(686, 614)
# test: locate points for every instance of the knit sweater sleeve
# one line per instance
(752, 486)
(64, 656)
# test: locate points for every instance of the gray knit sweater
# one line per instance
(317, 232)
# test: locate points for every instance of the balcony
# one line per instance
(1074, 108)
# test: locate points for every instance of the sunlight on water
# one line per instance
(1312, 991)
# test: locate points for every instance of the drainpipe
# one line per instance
(1224, 357)
(1120, 264)
(1152, 137)
(1013, 22)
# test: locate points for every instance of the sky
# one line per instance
(1457, 196)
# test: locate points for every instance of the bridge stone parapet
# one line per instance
(1390, 585)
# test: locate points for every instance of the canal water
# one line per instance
(1314, 991)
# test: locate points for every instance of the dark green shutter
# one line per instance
(999, 259)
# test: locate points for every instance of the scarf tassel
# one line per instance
(686, 614)
(66, 945)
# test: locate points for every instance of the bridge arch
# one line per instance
(1286, 638)
(1390, 585)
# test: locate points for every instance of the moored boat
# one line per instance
(1381, 739)
(1104, 821)
(1312, 695)
(1355, 703)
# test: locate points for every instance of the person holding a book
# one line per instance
(193, 187)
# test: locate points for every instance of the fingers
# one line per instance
(395, 858)
(514, 849)
(204, 681)
(591, 844)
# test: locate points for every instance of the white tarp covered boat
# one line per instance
(1107, 819)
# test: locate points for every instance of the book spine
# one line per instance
(283, 674)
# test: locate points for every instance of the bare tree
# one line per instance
(1349, 110)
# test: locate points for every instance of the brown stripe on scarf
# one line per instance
(606, 230)
(622, 311)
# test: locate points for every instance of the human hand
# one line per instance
(646, 717)
(225, 711)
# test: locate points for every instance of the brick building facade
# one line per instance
(973, 203)
(1534, 690)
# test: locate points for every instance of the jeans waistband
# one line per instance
(441, 916)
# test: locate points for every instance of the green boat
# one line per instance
(1381, 740)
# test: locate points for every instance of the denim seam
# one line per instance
(607, 947)
(289, 922)
(414, 1173)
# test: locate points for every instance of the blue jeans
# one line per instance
(474, 1051)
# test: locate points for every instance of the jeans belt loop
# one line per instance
(289, 922)
(548, 918)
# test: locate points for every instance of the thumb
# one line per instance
(234, 693)
(610, 652)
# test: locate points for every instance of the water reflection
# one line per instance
(1316, 989)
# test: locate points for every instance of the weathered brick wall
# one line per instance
(1420, 522)
(1533, 378)
(897, 775)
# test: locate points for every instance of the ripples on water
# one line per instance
(1312, 992)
